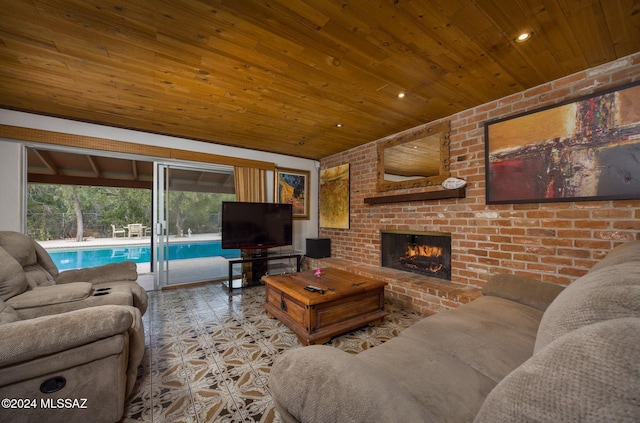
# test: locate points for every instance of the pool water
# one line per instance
(89, 257)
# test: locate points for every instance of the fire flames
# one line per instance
(424, 250)
(421, 257)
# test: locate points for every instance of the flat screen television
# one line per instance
(256, 225)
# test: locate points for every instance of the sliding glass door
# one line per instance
(187, 205)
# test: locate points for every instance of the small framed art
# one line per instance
(292, 187)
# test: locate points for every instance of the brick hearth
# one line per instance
(413, 291)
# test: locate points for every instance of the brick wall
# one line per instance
(555, 242)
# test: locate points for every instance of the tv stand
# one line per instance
(259, 260)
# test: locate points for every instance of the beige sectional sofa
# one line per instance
(525, 351)
(89, 355)
(32, 285)
(75, 336)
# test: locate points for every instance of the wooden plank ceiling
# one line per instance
(279, 75)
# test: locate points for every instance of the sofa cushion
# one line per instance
(523, 290)
(51, 295)
(608, 293)
(38, 276)
(44, 259)
(321, 384)
(452, 360)
(588, 375)
(122, 271)
(623, 253)
(12, 278)
(7, 314)
(19, 247)
(47, 335)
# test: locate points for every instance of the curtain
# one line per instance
(250, 184)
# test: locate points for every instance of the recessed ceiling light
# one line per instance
(338, 125)
(523, 37)
(401, 95)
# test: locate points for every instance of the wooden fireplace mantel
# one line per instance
(418, 196)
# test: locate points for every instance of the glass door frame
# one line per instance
(160, 205)
(159, 241)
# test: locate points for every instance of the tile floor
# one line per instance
(207, 358)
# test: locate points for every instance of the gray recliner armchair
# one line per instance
(33, 286)
(77, 366)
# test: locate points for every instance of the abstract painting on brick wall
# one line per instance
(586, 149)
(334, 197)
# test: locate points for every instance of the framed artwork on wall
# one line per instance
(334, 197)
(584, 149)
(292, 187)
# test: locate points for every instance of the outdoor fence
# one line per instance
(45, 226)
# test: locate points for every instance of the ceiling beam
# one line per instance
(134, 169)
(76, 180)
(46, 159)
(94, 166)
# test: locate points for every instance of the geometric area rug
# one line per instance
(207, 359)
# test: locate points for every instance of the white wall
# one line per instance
(12, 173)
(11, 195)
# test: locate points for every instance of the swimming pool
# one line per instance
(89, 257)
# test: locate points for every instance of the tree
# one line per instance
(45, 211)
(78, 213)
(64, 211)
(192, 210)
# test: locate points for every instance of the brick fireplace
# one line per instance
(553, 241)
(425, 253)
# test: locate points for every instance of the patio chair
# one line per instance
(117, 231)
(135, 229)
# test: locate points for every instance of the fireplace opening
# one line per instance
(426, 253)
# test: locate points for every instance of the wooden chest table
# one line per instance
(349, 302)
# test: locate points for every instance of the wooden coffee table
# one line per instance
(349, 302)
